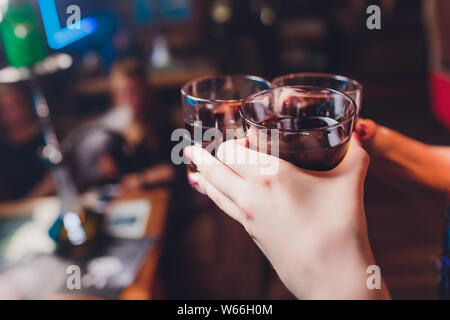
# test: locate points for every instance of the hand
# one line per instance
(399, 157)
(310, 225)
(373, 137)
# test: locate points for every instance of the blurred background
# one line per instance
(141, 54)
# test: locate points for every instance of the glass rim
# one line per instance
(208, 77)
(301, 87)
(333, 76)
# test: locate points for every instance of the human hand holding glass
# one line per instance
(311, 225)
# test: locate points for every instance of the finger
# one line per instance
(356, 137)
(241, 142)
(218, 174)
(246, 162)
(221, 200)
(366, 129)
(356, 160)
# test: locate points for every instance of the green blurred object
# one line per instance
(22, 38)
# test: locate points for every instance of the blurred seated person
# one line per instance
(22, 171)
(127, 145)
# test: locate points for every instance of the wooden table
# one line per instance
(146, 285)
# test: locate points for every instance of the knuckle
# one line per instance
(247, 207)
(221, 152)
(228, 147)
(280, 175)
(370, 123)
(257, 180)
(214, 195)
(206, 170)
(277, 178)
(264, 180)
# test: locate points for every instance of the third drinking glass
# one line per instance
(325, 80)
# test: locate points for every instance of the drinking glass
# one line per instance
(312, 126)
(213, 102)
(324, 80)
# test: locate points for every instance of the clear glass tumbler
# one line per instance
(312, 125)
(350, 87)
(212, 103)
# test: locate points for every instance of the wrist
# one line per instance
(336, 271)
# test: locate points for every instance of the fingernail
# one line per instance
(187, 152)
(356, 136)
(362, 130)
(194, 180)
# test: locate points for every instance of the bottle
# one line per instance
(76, 227)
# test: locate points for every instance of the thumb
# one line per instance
(356, 161)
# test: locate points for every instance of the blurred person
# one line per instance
(130, 143)
(22, 171)
(136, 115)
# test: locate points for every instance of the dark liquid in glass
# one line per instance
(318, 150)
(224, 118)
